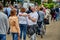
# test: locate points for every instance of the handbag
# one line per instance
(46, 21)
(31, 30)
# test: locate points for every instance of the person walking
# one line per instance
(23, 23)
(53, 14)
(14, 25)
(32, 23)
(4, 24)
(8, 9)
(40, 19)
(57, 13)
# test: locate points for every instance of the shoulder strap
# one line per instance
(6, 12)
(38, 15)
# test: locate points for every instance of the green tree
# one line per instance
(50, 1)
(38, 1)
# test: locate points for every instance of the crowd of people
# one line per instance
(20, 22)
(55, 13)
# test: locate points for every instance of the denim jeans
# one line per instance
(2, 37)
(15, 36)
(23, 31)
(57, 16)
(39, 26)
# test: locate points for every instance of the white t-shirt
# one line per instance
(33, 15)
(22, 19)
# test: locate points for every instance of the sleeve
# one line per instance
(7, 23)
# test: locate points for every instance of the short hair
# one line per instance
(23, 9)
(13, 12)
(41, 8)
(1, 6)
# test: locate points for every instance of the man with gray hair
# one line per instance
(4, 24)
(32, 23)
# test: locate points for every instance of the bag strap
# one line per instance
(38, 15)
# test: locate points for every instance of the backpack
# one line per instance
(6, 12)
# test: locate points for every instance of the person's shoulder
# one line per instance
(13, 17)
(43, 12)
(4, 14)
(40, 12)
(36, 13)
(9, 18)
(16, 17)
(9, 8)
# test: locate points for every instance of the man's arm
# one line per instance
(7, 23)
(33, 18)
(23, 14)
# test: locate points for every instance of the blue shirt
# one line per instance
(42, 14)
(8, 11)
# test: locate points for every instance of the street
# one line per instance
(52, 32)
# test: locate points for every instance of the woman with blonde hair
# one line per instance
(14, 25)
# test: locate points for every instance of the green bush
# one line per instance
(49, 5)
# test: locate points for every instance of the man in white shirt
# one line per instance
(32, 21)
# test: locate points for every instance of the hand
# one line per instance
(25, 14)
(19, 34)
(29, 16)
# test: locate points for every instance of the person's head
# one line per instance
(37, 8)
(33, 9)
(23, 10)
(41, 9)
(13, 12)
(46, 7)
(29, 7)
(1, 6)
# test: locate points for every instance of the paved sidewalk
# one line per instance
(52, 33)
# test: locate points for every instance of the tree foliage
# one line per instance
(50, 5)
(38, 1)
(50, 1)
